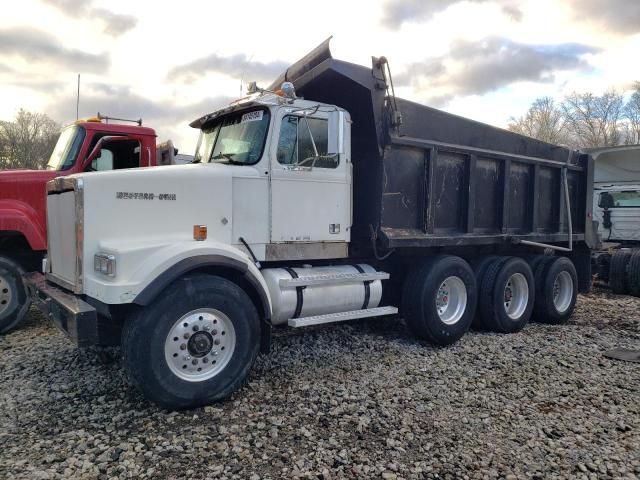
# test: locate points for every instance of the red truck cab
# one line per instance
(92, 145)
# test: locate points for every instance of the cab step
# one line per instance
(334, 279)
(341, 316)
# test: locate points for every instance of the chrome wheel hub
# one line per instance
(5, 294)
(451, 300)
(516, 296)
(562, 291)
(200, 344)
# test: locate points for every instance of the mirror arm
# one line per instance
(313, 143)
(94, 153)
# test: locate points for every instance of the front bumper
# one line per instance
(72, 315)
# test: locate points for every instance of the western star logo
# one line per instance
(145, 196)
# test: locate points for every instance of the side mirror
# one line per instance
(337, 122)
(103, 162)
(104, 141)
(165, 153)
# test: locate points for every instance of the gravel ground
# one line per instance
(359, 400)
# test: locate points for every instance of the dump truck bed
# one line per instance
(440, 179)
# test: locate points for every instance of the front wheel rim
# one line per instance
(562, 291)
(516, 296)
(451, 300)
(5, 295)
(200, 345)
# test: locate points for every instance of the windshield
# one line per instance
(67, 148)
(237, 138)
(625, 198)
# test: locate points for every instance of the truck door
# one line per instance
(310, 180)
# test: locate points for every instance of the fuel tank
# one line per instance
(349, 291)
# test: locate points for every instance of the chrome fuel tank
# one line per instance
(348, 293)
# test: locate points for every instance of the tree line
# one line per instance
(27, 141)
(583, 120)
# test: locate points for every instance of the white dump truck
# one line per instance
(348, 203)
(617, 210)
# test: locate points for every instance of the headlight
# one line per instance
(105, 263)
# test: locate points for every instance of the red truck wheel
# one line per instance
(14, 302)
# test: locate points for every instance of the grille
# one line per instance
(65, 232)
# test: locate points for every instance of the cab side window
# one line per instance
(297, 138)
(115, 155)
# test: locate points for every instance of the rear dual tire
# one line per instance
(439, 299)
(618, 280)
(507, 291)
(556, 290)
(633, 273)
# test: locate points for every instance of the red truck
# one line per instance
(91, 145)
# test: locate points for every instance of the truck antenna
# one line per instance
(78, 100)
(244, 69)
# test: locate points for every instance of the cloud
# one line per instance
(115, 24)
(238, 66)
(397, 12)
(170, 119)
(620, 15)
(37, 46)
(474, 68)
(37, 82)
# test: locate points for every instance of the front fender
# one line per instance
(22, 218)
(167, 263)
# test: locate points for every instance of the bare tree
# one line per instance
(27, 142)
(632, 115)
(594, 121)
(544, 120)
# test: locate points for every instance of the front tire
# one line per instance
(14, 302)
(439, 299)
(194, 345)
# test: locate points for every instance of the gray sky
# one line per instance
(170, 62)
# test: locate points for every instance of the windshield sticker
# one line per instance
(252, 116)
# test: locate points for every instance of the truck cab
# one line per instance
(295, 164)
(84, 146)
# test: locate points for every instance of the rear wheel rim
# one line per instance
(516, 296)
(562, 291)
(5, 295)
(200, 345)
(451, 300)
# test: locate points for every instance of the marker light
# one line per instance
(288, 90)
(199, 232)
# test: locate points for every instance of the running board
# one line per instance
(341, 316)
(334, 279)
